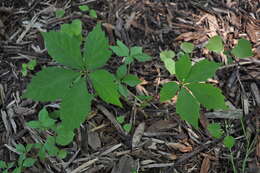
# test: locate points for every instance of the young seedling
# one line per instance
(70, 84)
(28, 66)
(126, 126)
(130, 54)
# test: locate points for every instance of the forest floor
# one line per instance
(166, 144)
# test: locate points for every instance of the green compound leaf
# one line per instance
(215, 44)
(168, 91)
(64, 136)
(28, 162)
(229, 142)
(183, 66)
(208, 95)
(215, 130)
(131, 80)
(202, 71)
(243, 49)
(166, 57)
(105, 86)
(50, 84)
(96, 49)
(75, 106)
(188, 107)
(74, 29)
(64, 49)
(84, 8)
(121, 49)
(187, 47)
(121, 71)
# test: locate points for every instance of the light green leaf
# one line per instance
(123, 90)
(17, 170)
(208, 95)
(75, 106)
(188, 107)
(243, 49)
(31, 64)
(137, 53)
(105, 86)
(202, 71)
(168, 91)
(183, 67)
(20, 148)
(166, 56)
(29, 147)
(62, 154)
(84, 8)
(142, 57)
(28, 162)
(59, 13)
(74, 29)
(121, 49)
(64, 136)
(34, 124)
(127, 127)
(44, 118)
(215, 44)
(128, 60)
(229, 142)
(120, 119)
(50, 84)
(187, 47)
(64, 49)
(93, 13)
(3, 164)
(121, 71)
(131, 80)
(96, 49)
(215, 130)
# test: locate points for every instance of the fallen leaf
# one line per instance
(205, 165)
(180, 147)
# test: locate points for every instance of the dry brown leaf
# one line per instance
(253, 32)
(180, 147)
(139, 131)
(205, 165)
(188, 36)
(161, 125)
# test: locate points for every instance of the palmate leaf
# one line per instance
(75, 106)
(96, 49)
(243, 49)
(50, 84)
(183, 66)
(105, 86)
(188, 107)
(202, 71)
(208, 95)
(63, 48)
(168, 91)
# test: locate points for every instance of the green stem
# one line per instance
(232, 161)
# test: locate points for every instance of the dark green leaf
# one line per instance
(208, 95)
(123, 90)
(202, 71)
(131, 80)
(64, 49)
(243, 49)
(183, 67)
(3, 164)
(34, 124)
(96, 49)
(62, 154)
(64, 136)
(188, 107)
(121, 71)
(105, 86)
(50, 84)
(168, 91)
(28, 162)
(76, 105)
(20, 148)
(44, 118)
(229, 142)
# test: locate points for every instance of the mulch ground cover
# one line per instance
(159, 140)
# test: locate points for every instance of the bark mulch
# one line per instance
(159, 140)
